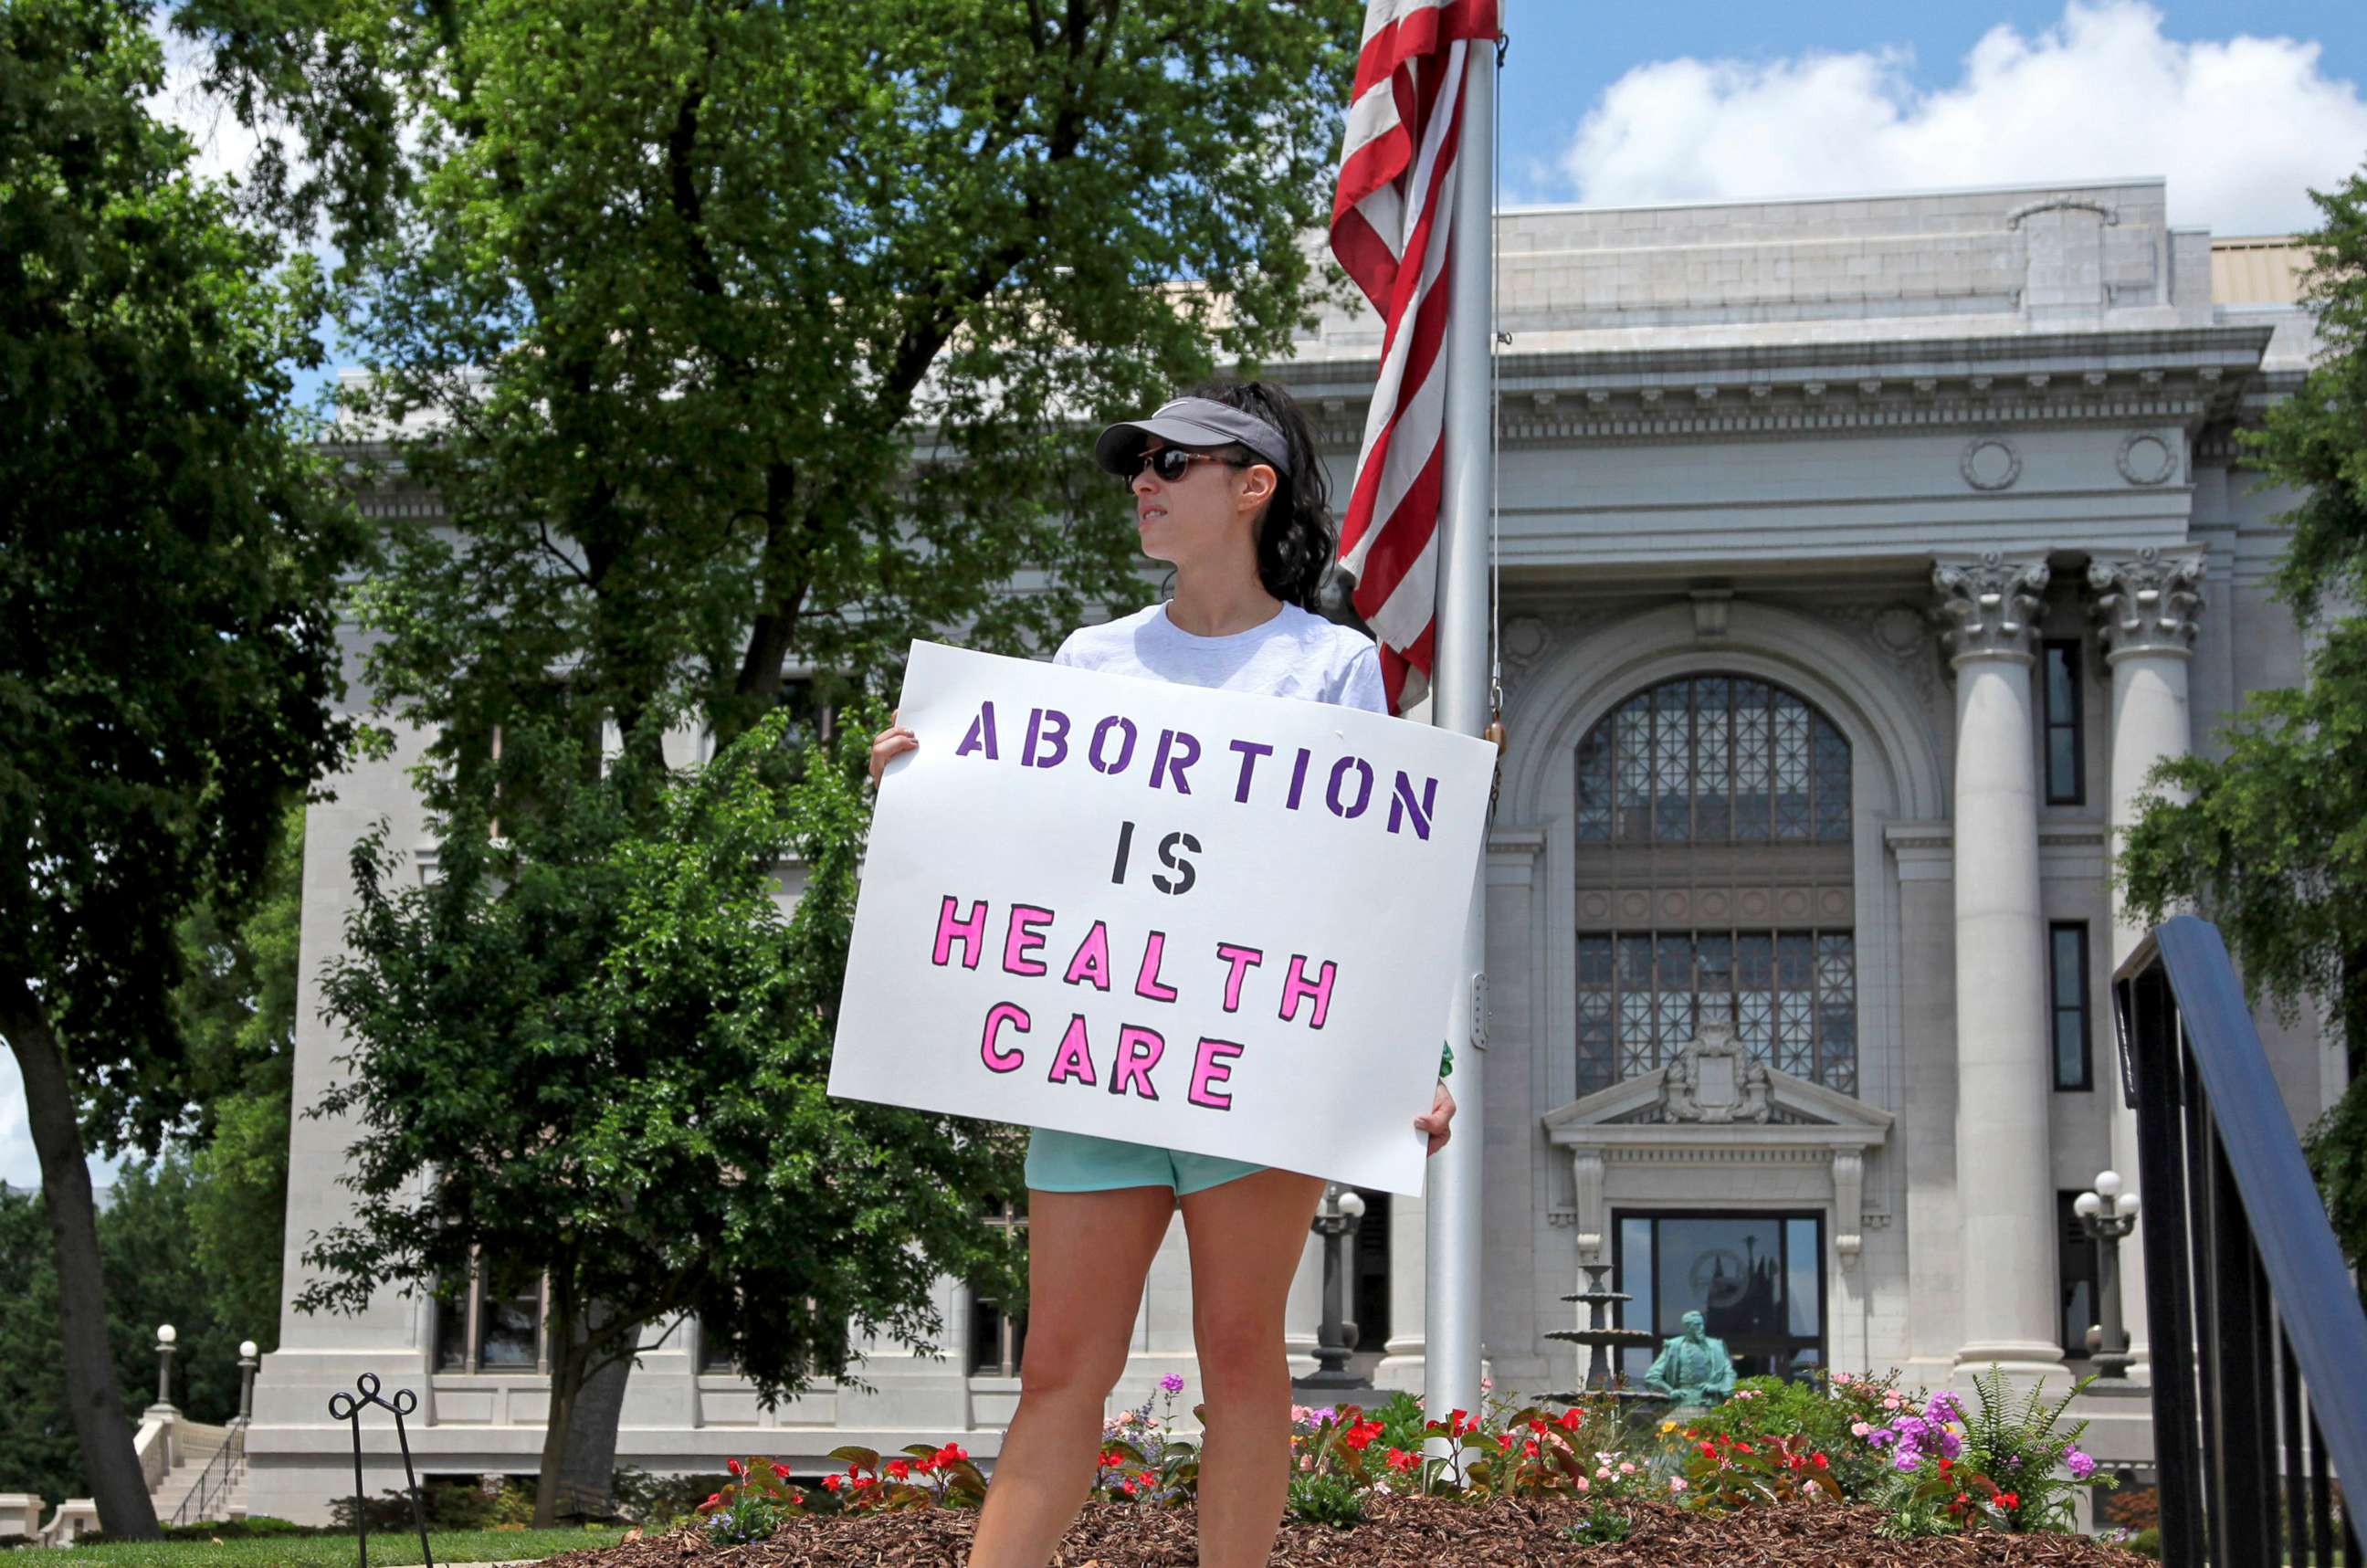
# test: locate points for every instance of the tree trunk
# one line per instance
(590, 1465)
(566, 1383)
(108, 1460)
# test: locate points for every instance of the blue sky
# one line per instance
(2240, 107)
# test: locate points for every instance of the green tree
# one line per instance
(152, 1276)
(2271, 837)
(169, 549)
(742, 345)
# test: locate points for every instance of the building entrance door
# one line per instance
(1757, 1279)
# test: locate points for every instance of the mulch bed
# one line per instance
(1402, 1532)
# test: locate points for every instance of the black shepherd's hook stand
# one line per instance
(345, 1407)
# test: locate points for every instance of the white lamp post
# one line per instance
(166, 1335)
(2107, 1213)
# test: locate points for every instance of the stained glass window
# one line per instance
(1791, 997)
(1713, 759)
(1732, 783)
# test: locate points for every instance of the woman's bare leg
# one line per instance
(1246, 1238)
(1087, 1254)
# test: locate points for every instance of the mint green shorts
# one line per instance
(1078, 1161)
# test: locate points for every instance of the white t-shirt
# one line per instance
(1296, 653)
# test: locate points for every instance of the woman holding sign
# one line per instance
(1228, 489)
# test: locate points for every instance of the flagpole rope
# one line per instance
(1497, 338)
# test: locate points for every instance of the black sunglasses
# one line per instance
(1170, 463)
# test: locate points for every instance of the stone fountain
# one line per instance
(1600, 1376)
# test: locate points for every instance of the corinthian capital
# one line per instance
(1990, 606)
(2149, 605)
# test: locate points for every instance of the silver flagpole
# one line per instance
(1459, 702)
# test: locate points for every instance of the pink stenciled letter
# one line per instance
(1244, 960)
(1072, 1059)
(970, 931)
(1296, 984)
(997, 1060)
(1022, 938)
(1138, 1050)
(1212, 1065)
(1146, 983)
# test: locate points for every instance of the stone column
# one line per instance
(1405, 1357)
(2005, 1186)
(2146, 613)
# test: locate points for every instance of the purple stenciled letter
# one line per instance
(1048, 739)
(1177, 751)
(1147, 981)
(1072, 1059)
(997, 1060)
(1402, 804)
(1243, 960)
(1022, 938)
(982, 734)
(1138, 1050)
(1213, 1064)
(970, 931)
(1296, 984)
(1249, 752)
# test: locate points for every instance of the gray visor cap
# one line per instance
(1190, 422)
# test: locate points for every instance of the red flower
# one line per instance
(1127, 1487)
(780, 1472)
(1571, 1417)
(1709, 1451)
(1505, 1440)
(952, 1453)
(1536, 1425)
(1529, 1449)
(1961, 1499)
(718, 1497)
(1400, 1459)
(863, 1481)
(1742, 1448)
(1819, 1459)
(898, 1468)
(1947, 1465)
(1454, 1420)
(733, 1466)
(833, 1482)
(2009, 1500)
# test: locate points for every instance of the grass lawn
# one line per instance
(396, 1550)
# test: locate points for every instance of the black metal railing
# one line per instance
(219, 1479)
(2258, 1338)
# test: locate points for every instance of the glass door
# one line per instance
(1757, 1279)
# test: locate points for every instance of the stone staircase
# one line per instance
(198, 1462)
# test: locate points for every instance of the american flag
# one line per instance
(1390, 222)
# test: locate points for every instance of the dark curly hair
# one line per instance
(1296, 535)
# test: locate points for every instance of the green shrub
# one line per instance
(1326, 1497)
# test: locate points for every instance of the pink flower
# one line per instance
(1676, 1483)
(1584, 1485)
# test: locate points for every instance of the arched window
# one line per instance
(1714, 871)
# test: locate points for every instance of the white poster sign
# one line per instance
(1211, 921)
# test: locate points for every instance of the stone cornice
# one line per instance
(2186, 377)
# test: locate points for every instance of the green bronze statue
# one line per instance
(1694, 1369)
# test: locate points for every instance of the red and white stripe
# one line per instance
(1391, 222)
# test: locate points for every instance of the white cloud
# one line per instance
(2240, 127)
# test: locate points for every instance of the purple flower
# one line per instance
(1909, 1457)
(1943, 1407)
(2081, 1465)
(1950, 1444)
(1172, 1383)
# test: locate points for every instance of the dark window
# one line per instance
(2076, 1266)
(998, 1338)
(2067, 995)
(1791, 997)
(1757, 1280)
(495, 1324)
(2060, 702)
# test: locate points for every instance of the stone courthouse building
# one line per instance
(1859, 557)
